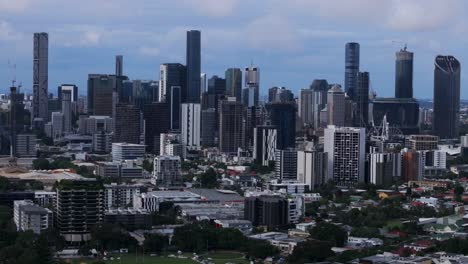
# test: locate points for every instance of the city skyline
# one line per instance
(293, 55)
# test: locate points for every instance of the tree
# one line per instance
(311, 251)
(260, 249)
(155, 243)
(148, 165)
(209, 179)
(329, 232)
(41, 164)
(458, 190)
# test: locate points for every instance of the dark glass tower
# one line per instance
(404, 74)
(283, 117)
(234, 83)
(193, 66)
(351, 67)
(361, 116)
(40, 76)
(446, 117)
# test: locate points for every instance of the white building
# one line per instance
(167, 170)
(151, 200)
(120, 195)
(93, 124)
(312, 168)
(44, 198)
(346, 154)
(119, 170)
(191, 121)
(286, 164)
(170, 144)
(28, 216)
(265, 138)
(126, 151)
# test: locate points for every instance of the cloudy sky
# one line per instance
(293, 41)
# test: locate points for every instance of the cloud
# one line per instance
(149, 51)
(14, 5)
(7, 32)
(213, 8)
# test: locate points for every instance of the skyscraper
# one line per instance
(264, 144)
(68, 87)
(446, 119)
(118, 65)
(67, 111)
(404, 74)
(173, 78)
(320, 88)
(230, 125)
(193, 66)
(127, 124)
(306, 111)
(346, 154)
(191, 125)
(312, 168)
(234, 83)
(361, 116)
(157, 120)
(208, 127)
(283, 117)
(40, 76)
(351, 67)
(336, 106)
(252, 86)
(102, 93)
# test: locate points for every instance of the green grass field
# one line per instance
(223, 257)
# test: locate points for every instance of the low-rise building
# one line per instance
(29, 216)
(151, 200)
(129, 218)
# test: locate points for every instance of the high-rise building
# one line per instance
(216, 92)
(351, 67)
(67, 111)
(264, 144)
(126, 151)
(446, 119)
(102, 142)
(402, 113)
(118, 65)
(346, 154)
(361, 116)
(336, 106)
(404, 74)
(79, 208)
(171, 144)
(286, 164)
(157, 121)
(193, 66)
(120, 195)
(251, 93)
(422, 142)
(412, 165)
(306, 106)
(68, 87)
(204, 84)
(266, 210)
(384, 168)
(234, 83)
(312, 168)
(254, 116)
(208, 127)
(320, 90)
(143, 92)
(230, 125)
(167, 170)
(127, 124)
(191, 129)
(172, 89)
(57, 124)
(29, 216)
(280, 95)
(40, 76)
(26, 145)
(283, 117)
(102, 91)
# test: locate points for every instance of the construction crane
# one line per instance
(405, 46)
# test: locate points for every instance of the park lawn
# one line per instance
(130, 259)
(223, 257)
(394, 223)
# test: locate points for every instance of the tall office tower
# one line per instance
(361, 116)
(203, 83)
(102, 142)
(286, 164)
(306, 107)
(57, 124)
(208, 127)
(446, 119)
(167, 170)
(193, 67)
(404, 74)
(234, 83)
(320, 89)
(118, 65)
(280, 94)
(67, 111)
(101, 96)
(336, 106)
(264, 144)
(16, 117)
(26, 145)
(283, 117)
(157, 120)
(253, 116)
(173, 78)
(312, 168)
(384, 168)
(412, 165)
(230, 125)
(216, 91)
(351, 68)
(40, 76)
(346, 154)
(127, 124)
(79, 208)
(251, 93)
(68, 87)
(399, 112)
(191, 120)
(143, 92)
(271, 211)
